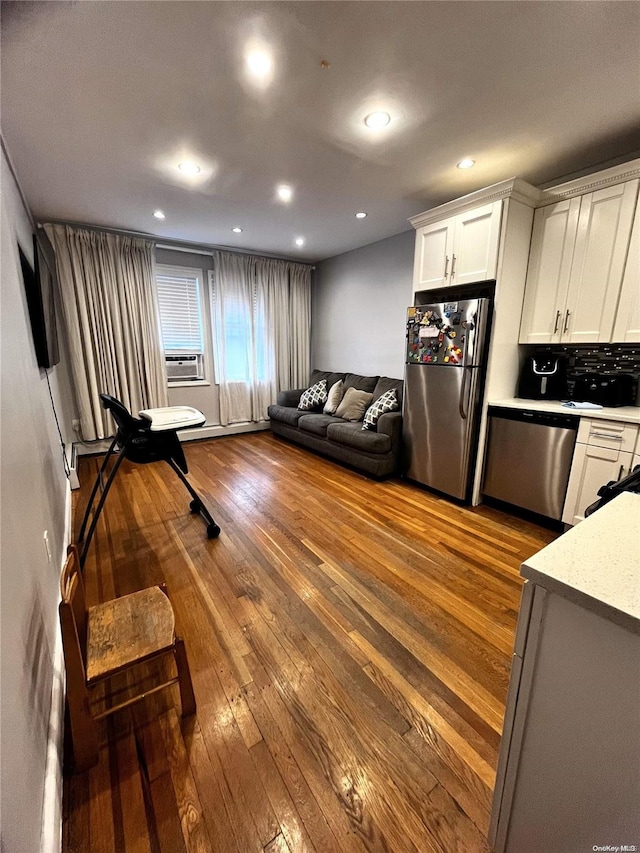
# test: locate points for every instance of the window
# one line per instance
(180, 303)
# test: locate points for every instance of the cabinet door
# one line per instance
(626, 328)
(592, 468)
(475, 244)
(434, 248)
(602, 243)
(552, 244)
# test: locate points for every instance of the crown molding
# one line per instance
(514, 188)
(596, 181)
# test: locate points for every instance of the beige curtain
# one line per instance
(109, 302)
(261, 320)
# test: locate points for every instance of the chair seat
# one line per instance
(126, 630)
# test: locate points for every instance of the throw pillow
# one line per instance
(333, 400)
(313, 397)
(387, 402)
(353, 405)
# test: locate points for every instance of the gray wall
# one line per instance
(359, 308)
(33, 499)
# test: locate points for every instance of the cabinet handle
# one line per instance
(608, 435)
(566, 322)
(558, 315)
(446, 266)
(620, 471)
(453, 266)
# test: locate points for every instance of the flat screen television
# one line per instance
(41, 287)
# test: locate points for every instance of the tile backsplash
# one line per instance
(598, 358)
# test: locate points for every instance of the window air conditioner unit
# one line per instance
(184, 368)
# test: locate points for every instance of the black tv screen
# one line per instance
(41, 287)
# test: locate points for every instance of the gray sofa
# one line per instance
(375, 452)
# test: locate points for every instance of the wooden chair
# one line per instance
(108, 639)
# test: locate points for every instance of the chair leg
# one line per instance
(96, 515)
(84, 737)
(197, 504)
(187, 698)
(95, 489)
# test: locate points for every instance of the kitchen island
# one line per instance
(569, 769)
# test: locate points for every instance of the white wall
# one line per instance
(34, 498)
(359, 308)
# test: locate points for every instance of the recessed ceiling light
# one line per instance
(259, 63)
(189, 168)
(361, 215)
(159, 214)
(377, 120)
(237, 230)
(285, 193)
(467, 163)
(299, 241)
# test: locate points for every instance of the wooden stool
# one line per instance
(108, 639)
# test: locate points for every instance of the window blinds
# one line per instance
(180, 312)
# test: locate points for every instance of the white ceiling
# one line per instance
(101, 100)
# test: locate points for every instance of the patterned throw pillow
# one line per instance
(387, 402)
(333, 400)
(313, 397)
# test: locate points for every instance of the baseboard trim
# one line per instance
(51, 837)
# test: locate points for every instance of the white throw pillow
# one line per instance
(333, 400)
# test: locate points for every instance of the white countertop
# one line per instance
(628, 414)
(597, 563)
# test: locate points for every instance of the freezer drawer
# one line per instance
(529, 458)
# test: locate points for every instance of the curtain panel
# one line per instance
(261, 319)
(109, 303)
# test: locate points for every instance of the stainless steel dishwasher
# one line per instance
(528, 458)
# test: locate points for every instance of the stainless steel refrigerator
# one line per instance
(445, 349)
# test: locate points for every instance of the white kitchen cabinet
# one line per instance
(626, 328)
(604, 452)
(578, 255)
(552, 243)
(458, 250)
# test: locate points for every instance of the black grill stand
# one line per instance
(137, 441)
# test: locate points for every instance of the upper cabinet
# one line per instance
(579, 250)
(626, 329)
(459, 249)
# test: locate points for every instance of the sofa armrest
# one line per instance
(290, 398)
(390, 423)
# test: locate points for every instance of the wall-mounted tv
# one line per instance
(41, 286)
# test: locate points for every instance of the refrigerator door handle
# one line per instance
(463, 387)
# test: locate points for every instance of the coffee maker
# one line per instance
(543, 377)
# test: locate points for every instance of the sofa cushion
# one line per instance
(352, 435)
(329, 375)
(362, 383)
(353, 405)
(317, 424)
(334, 397)
(384, 384)
(314, 397)
(387, 402)
(285, 414)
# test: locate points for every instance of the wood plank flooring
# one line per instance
(349, 643)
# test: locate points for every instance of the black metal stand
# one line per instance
(196, 505)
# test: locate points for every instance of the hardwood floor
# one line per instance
(349, 643)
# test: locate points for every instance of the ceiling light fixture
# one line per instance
(377, 120)
(259, 63)
(285, 193)
(299, 241)
(361, 215)
(159, 214)
(189, 168)
(467, 163)
(237, 230)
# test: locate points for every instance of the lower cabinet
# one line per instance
(603, 452)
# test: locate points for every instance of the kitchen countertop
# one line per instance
(597, 563)
(628, 414)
